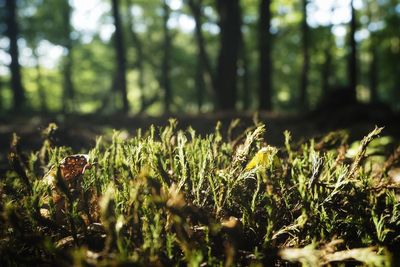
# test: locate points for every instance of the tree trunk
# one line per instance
(120, 84)
(373, 75)
(68, 87)
(265, 62)
(15, 68)
(200, 69)
(139, 61)
(204, 70)
(245, 94)
(1, 95)
(165, 75)
(200, 84)
(373, 67)
(68, 104)
(229, 16)
(353, 54)
(41, 91)
(326, 71)
(306, 59)
(246, 90)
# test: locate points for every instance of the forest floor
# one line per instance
(80, 131)
(236, 193)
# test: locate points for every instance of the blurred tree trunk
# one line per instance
(373, 67)
(120, 82)
(326, 71)
(200, 84)
(229, 16)
(1, 95)
(246, 90)
(15, 68)
(41, 91)
(165, 69)
(245, 94)
(265, 63)
(352, 67)
(204, 73)
(195, 8)
(2, 83)
(306, 59)
(68, 87)
(373, 74)
(139, 61)
(68, 104)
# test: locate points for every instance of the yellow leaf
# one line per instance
(265, 157)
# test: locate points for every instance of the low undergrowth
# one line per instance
(173, 198)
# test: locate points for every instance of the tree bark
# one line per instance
(326, 71)
(373, 67)
(373, 75)
(265, 62)
(200, 84)
(229, 16)
(120, 84)
(15, 68)
(200, 69)
(68, 104)
(166, 61)
(353, 54)
(306, 59)
(139, 61)
(68, 87)
(246, 90)
(41, 91)
(1, 95)
(204, 73)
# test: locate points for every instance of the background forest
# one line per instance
(192, 56)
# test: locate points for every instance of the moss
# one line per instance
(169, 197)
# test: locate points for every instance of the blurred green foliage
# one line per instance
(42, 21)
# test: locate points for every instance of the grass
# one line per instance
(173, 198)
